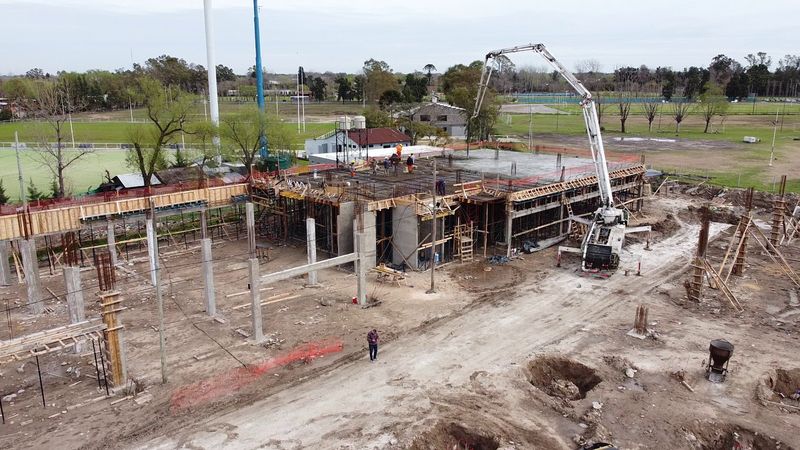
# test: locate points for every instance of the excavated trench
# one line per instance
(453, 436)
(562, 377)
(714, 436)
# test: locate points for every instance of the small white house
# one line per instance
(356, 142)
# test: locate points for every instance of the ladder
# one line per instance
(463, 235)
(576, 229)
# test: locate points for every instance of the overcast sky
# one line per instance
(340, 35)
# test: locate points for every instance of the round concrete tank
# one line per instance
(359, 122)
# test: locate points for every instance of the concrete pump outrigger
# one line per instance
(606, 231)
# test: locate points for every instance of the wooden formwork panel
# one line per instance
(69, 218)
(9, 227)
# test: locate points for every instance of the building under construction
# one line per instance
(485, 201)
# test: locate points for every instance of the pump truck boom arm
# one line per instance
(587, 105)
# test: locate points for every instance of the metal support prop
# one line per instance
(41, 385)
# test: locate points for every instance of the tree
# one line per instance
(243, 131)
(166, 111)
(390, 97)
(379, 79)
(377, 118)
(36, 73)
(225, 73)
(694, 79)
(359, 86)
(344, 89)
(722, 69)
(202, 135)
(414, 88)
(3, 197)
(53, 105)
(416, 130)
(650, 109)
(429, 69)
(600, 103)
(317, 86)
(624, 104)
(33, 192)
(680, 110)
(175, 72)
(459, 83)
(712, 103)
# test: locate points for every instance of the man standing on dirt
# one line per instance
(372, 339)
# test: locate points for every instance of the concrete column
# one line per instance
(5, 265)
(27, 249)
(112, 243)
(344, 228)
(509, 230)
(251, 228)
(208, 276)
(311, 244)
(203, 224)
(75, 304)
(255, 297)
(405, 235)
(152, 248)
(361, 269)
(369, 231)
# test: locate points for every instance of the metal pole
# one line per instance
(259, 73)
(530, 130)
(2, 413)
(103, 365)
(22, 195)
(41, 385)
(161, 338)
(71, 130)
(774, 132)
(96, 364)
(297, 92)
(432, 290)
(212, 68)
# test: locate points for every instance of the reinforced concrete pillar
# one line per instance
(208, 277)
(5, 265)
(203, 224)
(112, 243)
(152, 248)
(75, 304)
(509, 228)
(255, 298)
(30, 264)
(311, 244)
(251, 228)
(361, 268)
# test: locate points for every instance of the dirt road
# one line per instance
(380, 405)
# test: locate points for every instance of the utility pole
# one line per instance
(774, 132)
(22, 195)
(432, 290)
(530, 129)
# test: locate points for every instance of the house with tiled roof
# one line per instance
(356, 141)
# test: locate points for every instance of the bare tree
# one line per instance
(244, 131)
(600, 104)
(650, 110)
(166, 110)
(624, 104)
(680, 109)
(53, 107)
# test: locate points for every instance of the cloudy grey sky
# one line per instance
(340, 35)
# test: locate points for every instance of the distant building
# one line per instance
(356, 142)
(449, 118)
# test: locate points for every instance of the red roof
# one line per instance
(377, 136)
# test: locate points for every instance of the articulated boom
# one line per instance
(603, 241)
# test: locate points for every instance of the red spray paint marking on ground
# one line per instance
(229, 382)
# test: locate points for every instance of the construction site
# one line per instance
(157, 321)
(475, 296)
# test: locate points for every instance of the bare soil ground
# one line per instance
(524, 355)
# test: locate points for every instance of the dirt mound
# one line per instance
(714, 436)
(480, 278)
(562, 377)
(453, 436)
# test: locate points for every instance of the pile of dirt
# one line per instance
(716, 436)
(480, 278)
(453, 436)
(561, 377)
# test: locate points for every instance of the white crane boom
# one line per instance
(589, 115)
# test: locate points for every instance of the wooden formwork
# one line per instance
(69, 218)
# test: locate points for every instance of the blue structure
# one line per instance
(259, 78)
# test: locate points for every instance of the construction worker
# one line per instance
(352, 168)
(395, 160)
(386, 164)
(399, 151)
(372, 340)
(410, 163)
(373, 165)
